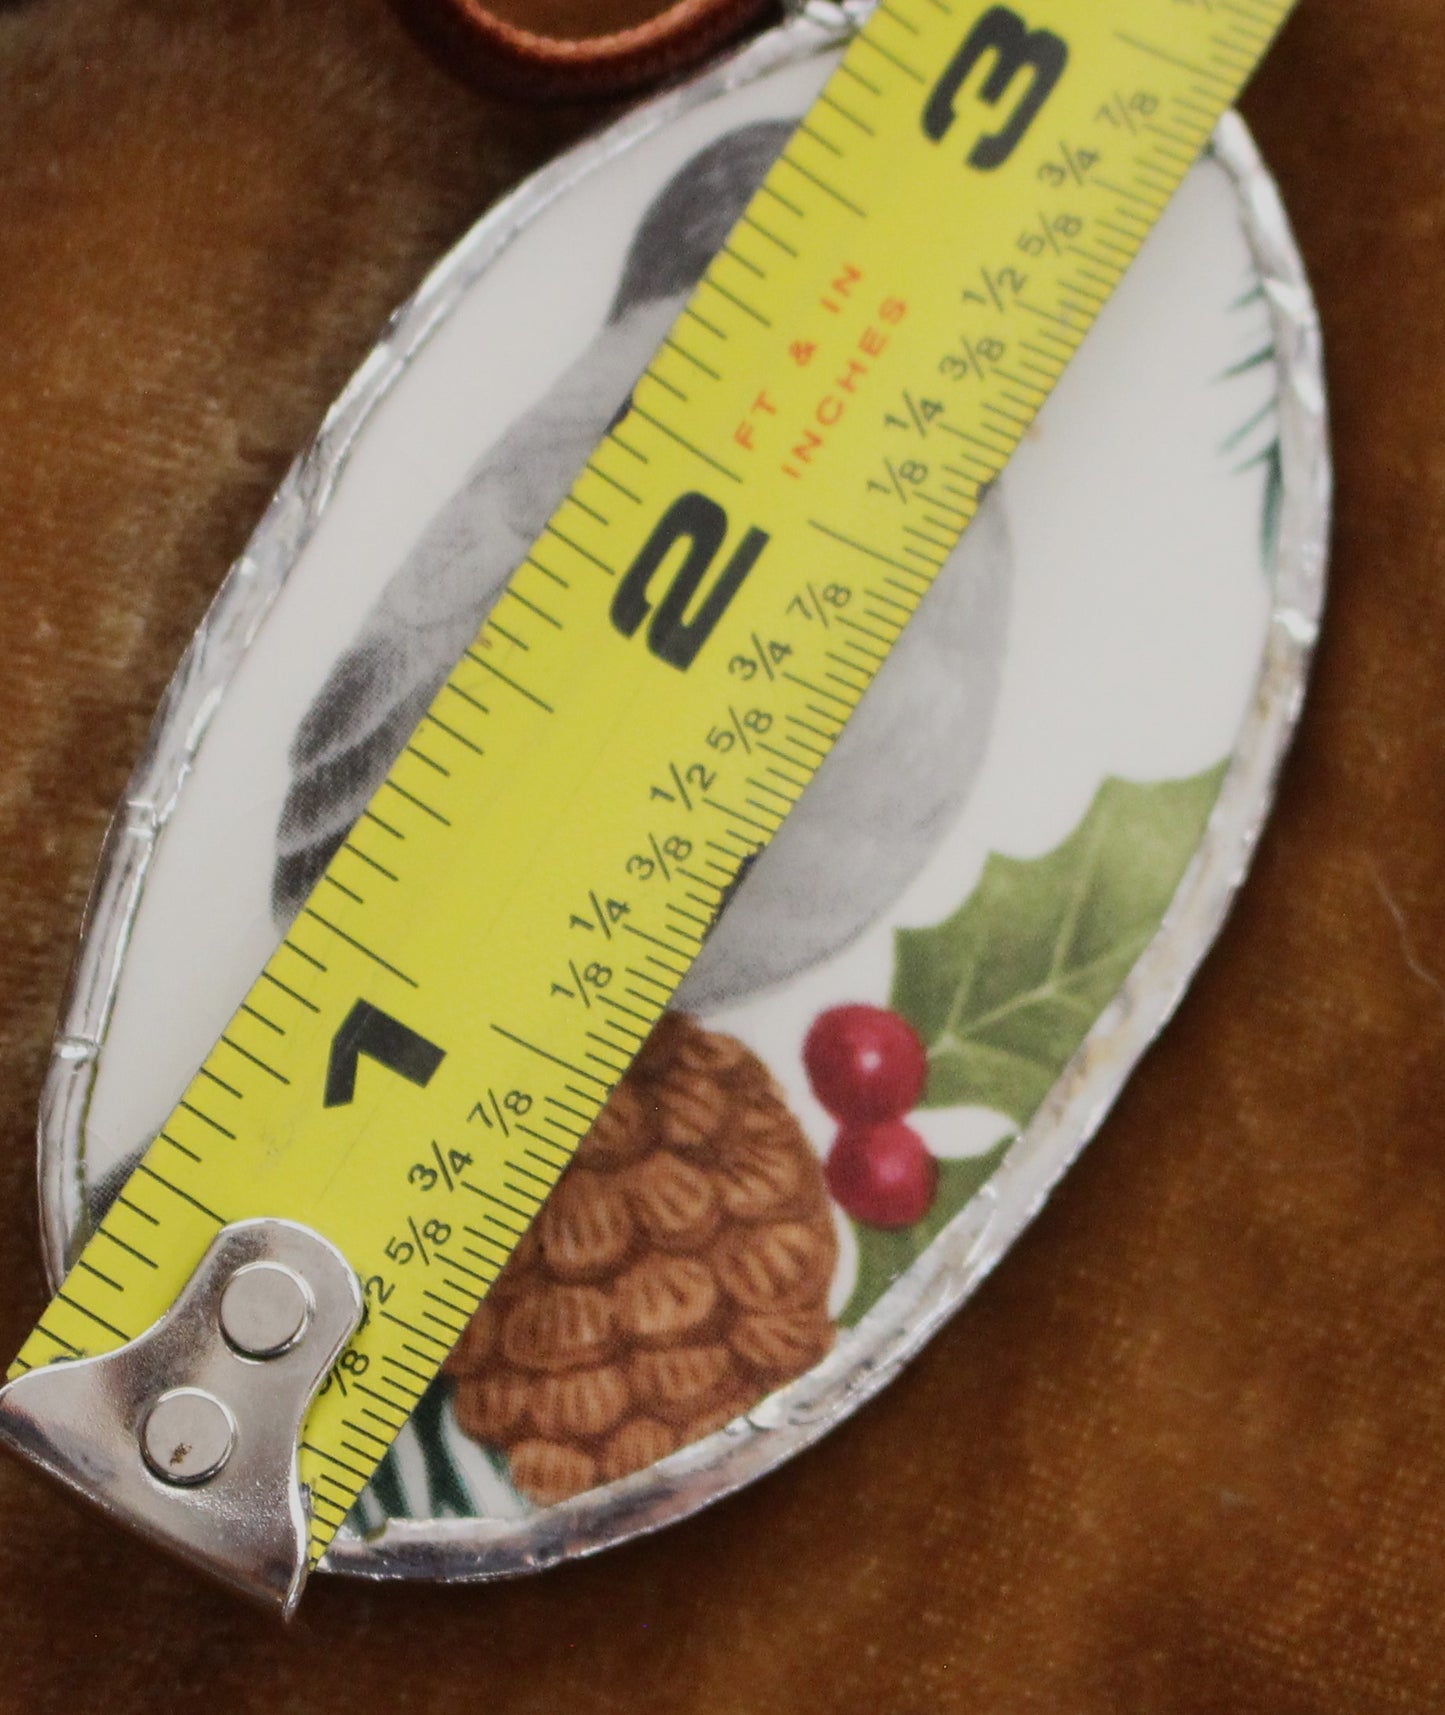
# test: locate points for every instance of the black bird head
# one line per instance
(692, 215)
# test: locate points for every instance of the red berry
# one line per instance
(864, 1063)
(882, 1174)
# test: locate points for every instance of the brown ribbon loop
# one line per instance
(511, 58)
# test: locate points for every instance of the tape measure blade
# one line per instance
(664, 675)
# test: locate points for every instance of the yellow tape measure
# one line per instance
(663, 676)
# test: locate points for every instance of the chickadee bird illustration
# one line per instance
(896, 777)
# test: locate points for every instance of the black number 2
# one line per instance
(703, 525)
(1016, 48)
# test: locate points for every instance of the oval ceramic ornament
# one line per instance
(925, 993)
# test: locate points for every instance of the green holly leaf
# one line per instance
(1003, 992)
(883, 1256)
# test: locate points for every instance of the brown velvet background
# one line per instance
(1184, 1452)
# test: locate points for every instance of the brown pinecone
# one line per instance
(678, 1273)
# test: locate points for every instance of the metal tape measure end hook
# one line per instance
(189, 1432)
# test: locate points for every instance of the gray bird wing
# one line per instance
(383, 684)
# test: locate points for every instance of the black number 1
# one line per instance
(1016, 48)
(367, 1030)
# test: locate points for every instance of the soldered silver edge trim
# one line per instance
(908, 1315)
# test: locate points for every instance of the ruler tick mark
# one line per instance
(386, 827)
(772, 237)
(806, 726)
(863, 630)
(617, 1006)
(738, 816)
(858, 547)
(576, 1113)
(206, 1119)
(321, 1453)
(462, 1268)
(495, 626)
(99, 1320)
(387, 1422)
(1158, 53)
(220, 1082)
(430, 761)
(361, 1429)
(151, 1173)
(527, 1173)
(823, 185)
(703, 322)
(612, 482)
(420, 803)
(577, 548)
(285, 988)
(697, 362)
(523, 1215)
(744, 262)
(401, 1387)
(515, 685)
(896, 17)
(822, 141)
(847, 69)
(682, 441)
(545, 1054)
(190, 1154)
(331, 881)
(421, 1333)
(360, 946)
(466, 696)
(532, 607)
(898, 63)
(737, 302)
(830, 100)
(818, 690)
(50, 1334)
(627, 446)
(575, 499)
(546, 571)
(657, 941)
(769, 189)
(452, 733)
(139, 1256)
(661, 380)
(90, 1268)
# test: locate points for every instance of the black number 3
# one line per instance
(1015, 48)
